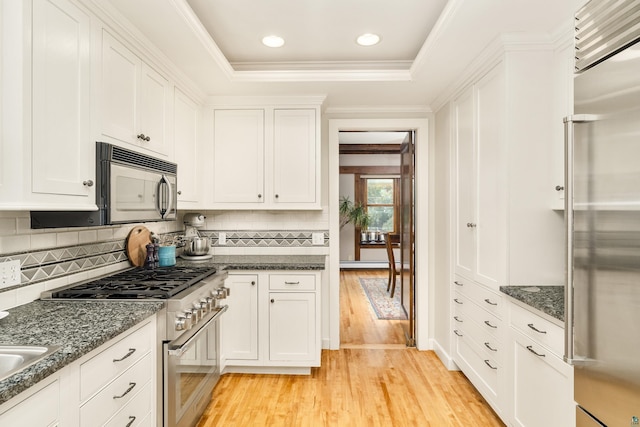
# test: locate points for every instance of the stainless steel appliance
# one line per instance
(130, 187)
(188, 332)
(602, 208)
(196, 247)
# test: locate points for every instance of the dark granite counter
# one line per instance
(261, 262)
(78, 327)
(547, 299)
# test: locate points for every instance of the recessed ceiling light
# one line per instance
(368, 39)
(273, 41)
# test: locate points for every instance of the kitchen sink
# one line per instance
(14, 358)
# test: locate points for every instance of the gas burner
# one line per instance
(138, 284)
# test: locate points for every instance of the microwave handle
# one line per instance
(165, 181)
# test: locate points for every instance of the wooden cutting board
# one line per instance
(137, 240)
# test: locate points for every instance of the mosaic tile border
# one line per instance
(268, 238)
(52, 263)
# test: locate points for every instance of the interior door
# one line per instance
(407, 234)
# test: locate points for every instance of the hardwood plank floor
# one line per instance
(373, 380)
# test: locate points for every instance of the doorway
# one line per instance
(419, 129)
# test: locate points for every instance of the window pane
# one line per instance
(381, 218)
(380, 191)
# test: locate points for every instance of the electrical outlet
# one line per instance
(9, 274)
(222, 238)
(317, 239)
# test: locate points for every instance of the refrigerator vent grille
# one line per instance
(603, 28)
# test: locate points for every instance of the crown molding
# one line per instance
(390, 109)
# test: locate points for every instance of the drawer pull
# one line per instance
(131, 420)
(488, 301)
(458, 283)
(489, 364)
(489, 347)
(457, 319)
(291, 283)
(131, 351)
(455, 331)
(530, 348)
(131, 386)
(458, 301)
(536, 329)
(486, 322)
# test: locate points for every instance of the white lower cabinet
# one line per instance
(479, 342)
(273, 322)
(542, 386)
(114, 385)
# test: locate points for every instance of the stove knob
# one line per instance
(190, 318)
(205, 303)
(211, 303)
(201, 307)
(181, 323)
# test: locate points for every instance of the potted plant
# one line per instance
(353, 213)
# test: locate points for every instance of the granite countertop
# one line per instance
(260, 262)
(78, 327)
(547, 299)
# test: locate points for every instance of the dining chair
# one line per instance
(392, 240)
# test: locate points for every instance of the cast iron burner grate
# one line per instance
(139, 283)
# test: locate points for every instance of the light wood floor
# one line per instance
(373, 380)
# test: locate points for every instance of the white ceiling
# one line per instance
(409, 71)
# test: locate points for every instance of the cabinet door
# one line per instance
(41, 409)
(240, 322)
(292, 326)
(295, 156)
(542, 386)
(238, 156)
(62, 152)
(154, 101)
(464, 128)
(186, 117)
(490, 229)
(120, 78)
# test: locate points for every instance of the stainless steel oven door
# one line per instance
(191, 370)
(141, 195)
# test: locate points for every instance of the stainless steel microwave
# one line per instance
(130, 188)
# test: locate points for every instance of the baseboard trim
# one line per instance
(444, 356)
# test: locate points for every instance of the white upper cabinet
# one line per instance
(61, 150)
(188, 154)
(136, 100)
(266, 156)
(480, 195)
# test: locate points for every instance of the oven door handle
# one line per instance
(179, 346)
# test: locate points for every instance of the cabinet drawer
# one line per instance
(292, 282)
(105, 404)
(136, 411)
(484, 368)
(538, 329)
(482, 296)
(487, 344)
(487, 322)
(102, 368)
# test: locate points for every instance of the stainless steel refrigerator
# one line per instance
(602, 211)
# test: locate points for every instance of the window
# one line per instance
(379, 201)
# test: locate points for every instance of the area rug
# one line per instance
(384, 307)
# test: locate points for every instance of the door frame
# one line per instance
(423, 148)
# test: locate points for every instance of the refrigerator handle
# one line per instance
(568, 224)
(569, 141)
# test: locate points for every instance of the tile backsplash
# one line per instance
(51, 258)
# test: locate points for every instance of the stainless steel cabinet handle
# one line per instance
(458, 301)
(291, 283)
(87, 183)
(458, 283)
(457, 319)
(530, 348)
(489, 364)
(131, 420)
(488, 301)
(486, 322)
(488, 345)
(559, 188)
(536, 329)
(131, 386)
(131, 351)
(455, 331)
